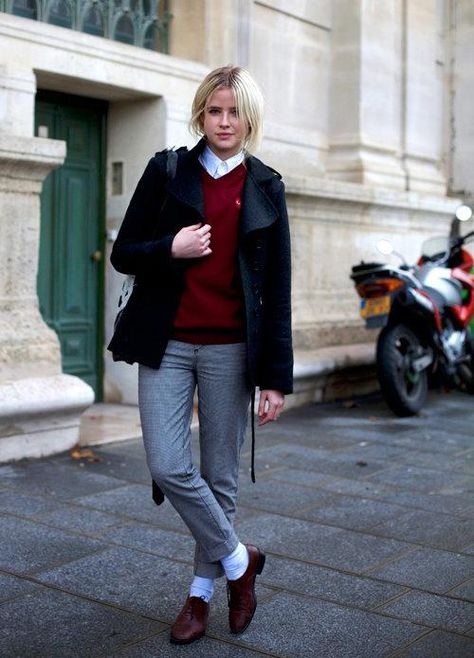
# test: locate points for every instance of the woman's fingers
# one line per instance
(270, 406)
(192, 242)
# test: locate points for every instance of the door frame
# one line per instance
(61, 98)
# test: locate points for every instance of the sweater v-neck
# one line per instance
(238, 172)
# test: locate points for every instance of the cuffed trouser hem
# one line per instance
(219, 552)
(212, 570)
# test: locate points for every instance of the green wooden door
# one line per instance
(70, 274)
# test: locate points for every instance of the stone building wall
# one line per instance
(459, 140)
(368, 108)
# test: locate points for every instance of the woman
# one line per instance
(210, 250)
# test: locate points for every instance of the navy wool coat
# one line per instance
(158, 209)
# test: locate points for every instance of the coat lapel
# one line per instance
(258, 210)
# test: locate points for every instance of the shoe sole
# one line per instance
(175, 640)
(258, 571)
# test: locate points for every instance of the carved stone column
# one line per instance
(39, 406)
(423, 65)
(364, 116)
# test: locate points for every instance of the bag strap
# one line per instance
(171, 165)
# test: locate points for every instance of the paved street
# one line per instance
(366, 519)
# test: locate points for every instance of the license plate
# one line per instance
(375, 306)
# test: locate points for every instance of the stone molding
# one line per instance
(334, 372)
(350, 193)
(40, 416)
(39, 407)
(29, 158)
(94, 48)
(27, 345)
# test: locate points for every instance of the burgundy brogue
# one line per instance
(241, 592)
(191, 623)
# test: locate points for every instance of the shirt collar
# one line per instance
(216, 167)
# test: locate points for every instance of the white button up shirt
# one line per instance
(216, 167)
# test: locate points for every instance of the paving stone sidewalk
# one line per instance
(367, 521)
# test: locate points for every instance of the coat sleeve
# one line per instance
(277, 354)
(134, 250)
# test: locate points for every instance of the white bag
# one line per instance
(127, 287)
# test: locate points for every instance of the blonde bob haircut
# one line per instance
(248, 101)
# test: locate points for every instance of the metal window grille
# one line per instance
(143, 23)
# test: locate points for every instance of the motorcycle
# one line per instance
(425, 311)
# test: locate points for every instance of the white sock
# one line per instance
(235, 564)
(202, 588)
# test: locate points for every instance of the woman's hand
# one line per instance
(192, 242)
(270, 406)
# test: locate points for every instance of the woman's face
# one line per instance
(223, 129)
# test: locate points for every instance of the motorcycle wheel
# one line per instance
(404, 389)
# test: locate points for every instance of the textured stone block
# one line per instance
(12, 586)
(26, 547)
(333, 483)
(421, 479)
(440, 645)
(122, 461)
(464, 591)
(321, 461)
(439, 503)
(153, 540)
(134, 580)
(429, 569)
(353, 512)
(207, 647)
(281, 497)
(79, 519)
(134, 501)
(20, 504)
(434, 439)
(60, 480)
(437, 611)
(326, 545)
(289, 625)
(329, 584)
(56, 624)
(430, 529)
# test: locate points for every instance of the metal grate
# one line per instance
(143, 23)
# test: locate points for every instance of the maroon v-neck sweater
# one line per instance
(211, 309)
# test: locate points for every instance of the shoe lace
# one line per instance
(189, 610)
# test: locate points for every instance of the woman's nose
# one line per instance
(225, 121)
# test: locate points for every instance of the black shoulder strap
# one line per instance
(171, 164)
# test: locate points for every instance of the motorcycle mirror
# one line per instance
(463, 213)
(385, 247)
